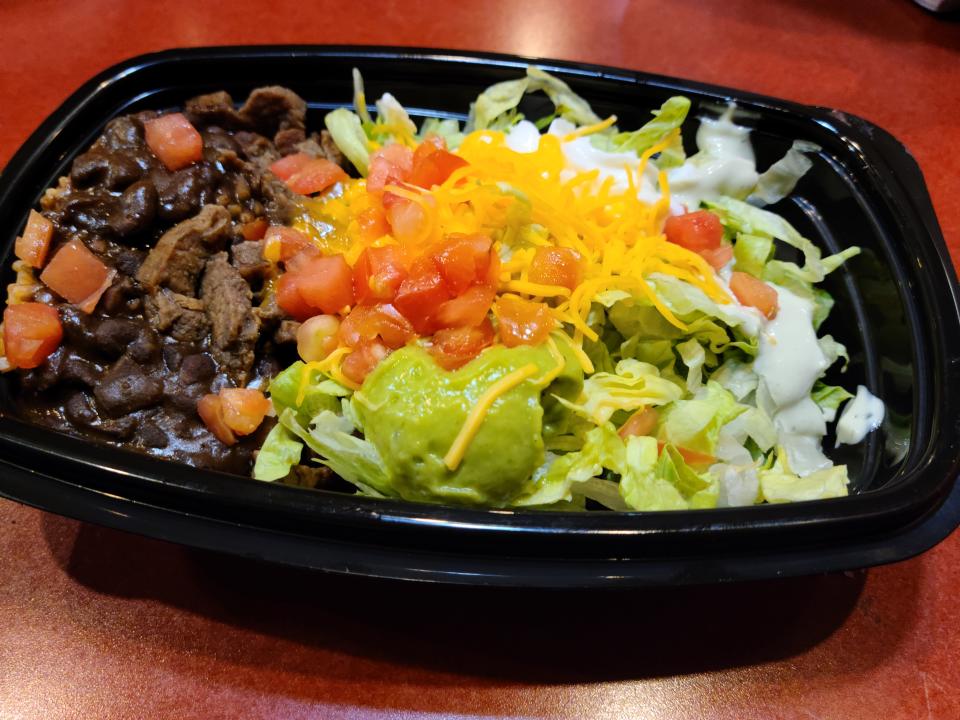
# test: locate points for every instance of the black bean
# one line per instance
(146, 347)
(125, 388)
(197, 368)
(112, 170)
(152, 436)
(80, 411)
(138, 208)
(114, 335)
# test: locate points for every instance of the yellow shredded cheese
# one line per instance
(330, 365)
(590, 129)
(474, 420)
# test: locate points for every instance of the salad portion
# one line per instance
(556, 313)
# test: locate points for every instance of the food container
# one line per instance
(896, 310)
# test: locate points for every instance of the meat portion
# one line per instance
(215, 108)
(181, 317)
(273, 109)
(124, 388)
(286, 332)
(234, 327)
(179, 256)
(248, 259)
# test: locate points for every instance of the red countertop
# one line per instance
(96, 623)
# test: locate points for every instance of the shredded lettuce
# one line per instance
(829, 398)
(279, 452)
(446, 128)
(347, 132)
(645, 484)
(779, 484)
(568, 104)
(354, 459)
(742, 217)
(632, 386)
(751, 253)
(781, 178)
(360, 99)
(695, 423)
(668, 118)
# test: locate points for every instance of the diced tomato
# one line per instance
(390, 165)
(697, 460)
(755, 293)
(358, 364)
(464, 260)
(468, 309)
(696, 231)
(77, 275)
(288, 166)
(326, 283)
(408, 219)
(421, 294)
(523, 322)
(316, 176)
(556, 266)
(301, 259)
(210, 410)
(377, 274)
(290, 300)
(641, 422)
(283, 243)
(373, 224)
(33, 245)
(434, 168)
(318, 337)
(431, 143)
(243, 409)
(453, 348)
(372, 322)
(254, 230)
(174, 140)
(719, 256)
(31, 331)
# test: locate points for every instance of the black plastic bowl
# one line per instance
(896, 311)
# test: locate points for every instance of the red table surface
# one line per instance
(96, 623)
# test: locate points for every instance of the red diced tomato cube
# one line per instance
(174, 140)
(31, 332)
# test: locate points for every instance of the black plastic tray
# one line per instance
(896, 310)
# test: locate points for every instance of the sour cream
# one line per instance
(861, 415)
(724, 165)
(788, 363)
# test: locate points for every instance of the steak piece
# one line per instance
(182, 317)
(286, 332)
(177, 259)
(248, 259)
(216, 108)
(273, 109)
(124, 388)
(234, 326)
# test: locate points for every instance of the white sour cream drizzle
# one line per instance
(861, 415)
(724, 165)
(788, 363)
